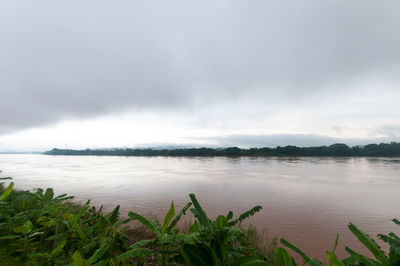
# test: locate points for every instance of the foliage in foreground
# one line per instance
(41, 229)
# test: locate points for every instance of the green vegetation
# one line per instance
(41, 229)
(338, 149)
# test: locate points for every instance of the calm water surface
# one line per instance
(306, 200)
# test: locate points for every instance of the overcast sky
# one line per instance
(77, 74)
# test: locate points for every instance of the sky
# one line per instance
(101, 74)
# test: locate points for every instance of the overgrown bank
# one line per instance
(338, 149)
(39, 228)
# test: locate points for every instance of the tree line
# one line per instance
(338, 149)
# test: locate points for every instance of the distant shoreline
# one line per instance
(336, 150)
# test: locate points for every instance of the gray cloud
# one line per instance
(80, 59)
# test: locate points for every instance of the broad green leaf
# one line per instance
(152, 226)
(332, 258)
(220, 222)
(78, 260)
(134, 253)
(307, 259)
(365, 260)
(352, 260)
(195, 227)
(199, 212)
(48, 195)
(25, 229)
(396, 221)
(7, 191)
(149, 224)
(247, 214)
(178, 216)
(99, 252)
(229, 215)
(113, 216)
(105, 262)
(9, 237)
(369, 243)
(249, 261)
(282, 257)
(196, 255)
(78, 229)
(59, 248)
(168, 217)
(142, 243)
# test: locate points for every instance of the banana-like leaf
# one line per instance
(196, 255)
(59, 248)
(24, 229)
(369, 243)
(9, 237)
(249, 261)
(199, 212)
(229, 215)
(78, 229)
(152, 226)
(195, 227)
(142, 243)
(332, 258)
(307, 259)
(78, 260)
(361, 258)
(178, 216)
(134, 253)
(282, 257)
(168, 217)
(114, 215)
(396, 221)
(220, 222)
(99, 252)
(7, 191)
(48, 195)
(247, 214)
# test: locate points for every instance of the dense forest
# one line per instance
(338, 149)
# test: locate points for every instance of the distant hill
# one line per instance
(338, 149)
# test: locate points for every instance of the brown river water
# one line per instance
(307, 200)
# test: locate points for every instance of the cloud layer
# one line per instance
(74, 59)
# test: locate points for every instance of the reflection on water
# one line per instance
(306, 200)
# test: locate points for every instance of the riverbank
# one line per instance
(338, 149)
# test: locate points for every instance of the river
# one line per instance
(307, 200)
